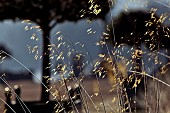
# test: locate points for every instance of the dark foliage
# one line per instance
(135, 28)
(40, 11)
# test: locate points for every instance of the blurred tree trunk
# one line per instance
(45, 64)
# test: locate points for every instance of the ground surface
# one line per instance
(93, 100)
